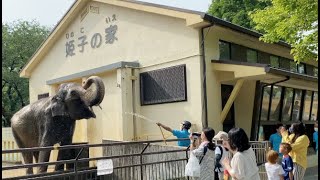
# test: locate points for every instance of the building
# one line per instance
(167, 65)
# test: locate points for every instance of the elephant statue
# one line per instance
(52, 120)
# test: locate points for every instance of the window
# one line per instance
(44, 95)
(293, 66)
(224, 48)
(274, 61)
(306, 106)
(252, 56)
(287, 103)
(314, 111)
(265, 103)
(315, 71)
(275, 103)
(284, 63)
(238, 53)
(263, 58)
(296, 105)
(163, 85)
(301, 68)
(309, 69)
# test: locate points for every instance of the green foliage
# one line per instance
(294, 21)
(236, 11)
(19, 41)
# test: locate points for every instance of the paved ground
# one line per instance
(313, 168)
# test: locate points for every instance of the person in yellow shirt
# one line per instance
(299, 142)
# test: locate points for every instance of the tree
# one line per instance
(19, 41)
(236, 11)
(294, 21)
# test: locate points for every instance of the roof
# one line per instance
(193, 19)
(273, 70)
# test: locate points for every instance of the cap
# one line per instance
(221, 135)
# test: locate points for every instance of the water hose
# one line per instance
(164, 139)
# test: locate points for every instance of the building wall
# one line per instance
(154, 41)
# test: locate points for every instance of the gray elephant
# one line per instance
(52, 120)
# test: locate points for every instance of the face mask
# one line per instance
(290, 130)
(316, 129)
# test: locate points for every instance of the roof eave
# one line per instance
(215, 20)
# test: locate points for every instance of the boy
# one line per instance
(274, 170)
(287, 163)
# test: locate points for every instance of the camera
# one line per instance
(196, 135)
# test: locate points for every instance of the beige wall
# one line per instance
(172, 114)
(155, 41)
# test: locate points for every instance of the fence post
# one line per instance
(141, 168)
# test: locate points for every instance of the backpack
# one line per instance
(218, 165)
(217, 160)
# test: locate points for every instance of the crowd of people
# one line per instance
(286, 159)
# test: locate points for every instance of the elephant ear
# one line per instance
(57, 107)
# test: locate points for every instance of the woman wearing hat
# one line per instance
(220, 153)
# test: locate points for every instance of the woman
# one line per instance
(299, 143)
(243, 163)
(205, 153)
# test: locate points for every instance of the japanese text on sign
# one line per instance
(94, 41)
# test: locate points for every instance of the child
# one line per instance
(274, 170)
(287, 163)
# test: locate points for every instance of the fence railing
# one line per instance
(12, 157)
(131, 160)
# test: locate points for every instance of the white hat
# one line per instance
(221, 135)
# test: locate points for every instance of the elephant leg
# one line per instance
(36, 156)
(65, 154)
(44, 156)
(27, 157)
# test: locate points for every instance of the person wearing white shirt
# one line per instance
(274, 170)
(243, 164)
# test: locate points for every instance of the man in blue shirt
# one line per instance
(275, 140)
(315, 136)
(183, 133)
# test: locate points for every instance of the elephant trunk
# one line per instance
(95, 90)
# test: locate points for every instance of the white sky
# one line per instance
(49, 12)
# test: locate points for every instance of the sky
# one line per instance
(49, 12)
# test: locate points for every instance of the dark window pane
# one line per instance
(307, 105)
(309, 70)
(315, 71)
(293, 66)
(238, 53)
(275, 103)
(284, 63)
(252, 56)
(224, 48)
(274, 61)
(301, 68)
(314, 112)
(163, 85)
(297, 104)
(265, 103)
(263, 58)
(287, 104)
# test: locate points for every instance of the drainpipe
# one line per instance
(262, 87)
(205, 119)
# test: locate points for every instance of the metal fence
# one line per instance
(141, 160)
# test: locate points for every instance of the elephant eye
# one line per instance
(73, 93)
